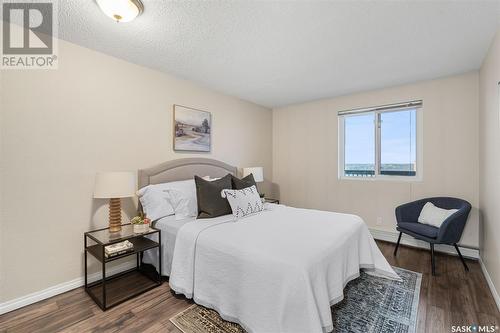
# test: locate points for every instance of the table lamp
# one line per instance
(258, 174)
(114, 186)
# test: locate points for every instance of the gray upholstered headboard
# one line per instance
(182, 169)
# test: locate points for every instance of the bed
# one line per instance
(175, 170)
(169, 227)
(276, 271)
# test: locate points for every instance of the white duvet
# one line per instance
(276, 271)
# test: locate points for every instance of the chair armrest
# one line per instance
(410, 212)
(452, 228)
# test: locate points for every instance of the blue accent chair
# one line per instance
(450, 231)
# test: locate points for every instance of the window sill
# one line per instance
(411, 179)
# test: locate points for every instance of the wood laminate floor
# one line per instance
(453, 297)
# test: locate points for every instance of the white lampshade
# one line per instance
(258, 173)
(115, 185)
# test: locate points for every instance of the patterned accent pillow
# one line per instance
(244, 202)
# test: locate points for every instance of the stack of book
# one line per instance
(117, 249)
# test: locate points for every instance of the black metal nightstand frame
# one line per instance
(141, 244)
(269, 200)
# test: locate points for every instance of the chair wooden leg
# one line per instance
(461, 258)
(397, 244)
(433, 260)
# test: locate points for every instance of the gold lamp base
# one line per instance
(115, 215)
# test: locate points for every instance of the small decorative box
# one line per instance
(140, 228)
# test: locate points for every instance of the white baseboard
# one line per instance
(493, 290)
(387, 236)
(392, 236)
(59, 289)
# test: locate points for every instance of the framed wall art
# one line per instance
(192, 129)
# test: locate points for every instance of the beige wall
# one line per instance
(98, 113)
(305, 153)
(95, 113)
(1, 186)
(489, 160)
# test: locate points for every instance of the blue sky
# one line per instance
(398, 138)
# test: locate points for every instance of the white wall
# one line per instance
(305, 140)
(95, 113)
(489, 162)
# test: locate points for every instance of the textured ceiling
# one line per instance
(276, 53)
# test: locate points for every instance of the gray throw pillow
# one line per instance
(239, 184)
(210, 203)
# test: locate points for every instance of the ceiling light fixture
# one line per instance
(121, 10)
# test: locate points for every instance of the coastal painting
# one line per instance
(192, 129)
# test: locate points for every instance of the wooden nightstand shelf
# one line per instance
(113, 290)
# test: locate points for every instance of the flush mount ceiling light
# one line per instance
(121, 10)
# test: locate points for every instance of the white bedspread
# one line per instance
(277, 271)
(169, 227)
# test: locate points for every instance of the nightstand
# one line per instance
(274, 201)
(113, 290)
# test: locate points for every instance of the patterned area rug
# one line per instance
(370, 304)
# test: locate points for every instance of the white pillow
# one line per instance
(209, 179)
(244, 202)
(433, 215)
(155, 203)
(182, 196)
(184, 205)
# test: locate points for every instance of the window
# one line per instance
(359, 145)
(380, 142)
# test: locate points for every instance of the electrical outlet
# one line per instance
(379, 221)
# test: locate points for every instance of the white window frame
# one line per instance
(419, 145)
